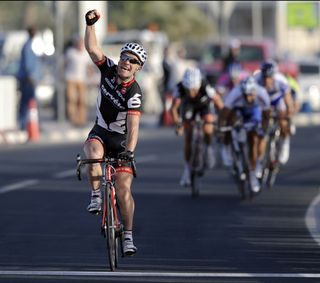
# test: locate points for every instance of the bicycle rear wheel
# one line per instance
(110, 229)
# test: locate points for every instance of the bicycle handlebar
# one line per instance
(236, 126)
(108, 160)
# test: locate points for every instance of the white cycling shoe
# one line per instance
(95, 204)
(285, 151)
(255, 186)
(129, 249)
(185, 178)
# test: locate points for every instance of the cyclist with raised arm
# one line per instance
(193, 96)
(250, 102)
(281, 102)
(116, 129)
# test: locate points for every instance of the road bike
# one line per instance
(240, 169)
(111, 223)
(197, 160)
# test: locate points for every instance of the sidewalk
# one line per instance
(60, 132)
(53, 131)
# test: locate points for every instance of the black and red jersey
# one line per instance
(116, 101)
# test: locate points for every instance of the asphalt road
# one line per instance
(47, 236)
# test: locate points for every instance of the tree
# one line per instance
(181, 20)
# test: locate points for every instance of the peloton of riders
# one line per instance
(241, 95)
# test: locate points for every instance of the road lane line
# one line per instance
(72, 172)
(64, 174)
(312, 221)
(156, 274)
(17, 186)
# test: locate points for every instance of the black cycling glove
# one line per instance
(126, 155)
(89, 21)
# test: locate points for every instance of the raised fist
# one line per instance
(91, 17)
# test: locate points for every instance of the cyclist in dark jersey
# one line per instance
(115, 132)
(194, 96)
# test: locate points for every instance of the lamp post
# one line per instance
(59, 79)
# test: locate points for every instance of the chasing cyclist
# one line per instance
(193, 96)
(250, 102)
(281, 102)
(115, 132)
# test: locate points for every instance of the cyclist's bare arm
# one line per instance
(90, 41)
(133, 121)
(218, 102)
(175, 111)
(289, 103)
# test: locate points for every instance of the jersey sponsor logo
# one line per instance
(135, 101)
(110, 84)
(111, 98)
(120, 95)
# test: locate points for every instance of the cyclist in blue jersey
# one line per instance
(250, 102)
(116, 129)
(281, 102)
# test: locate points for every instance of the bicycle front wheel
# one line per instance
(195, 184)
(110, 229)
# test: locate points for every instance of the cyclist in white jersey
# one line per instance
(116, 129)
(249, 102)
(281, 102)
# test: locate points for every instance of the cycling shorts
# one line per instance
(189, 111)
(279, 105)
(113, 144)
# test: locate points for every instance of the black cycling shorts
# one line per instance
(113, 142)
(189, 111)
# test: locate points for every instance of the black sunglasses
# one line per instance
(124, 57)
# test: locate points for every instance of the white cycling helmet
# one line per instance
(249, 86)
(192, 78)
(136, 49)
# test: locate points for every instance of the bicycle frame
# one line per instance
(197, 157)
(111, 225)
(240, 159)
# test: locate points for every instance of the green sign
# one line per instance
(302, 14)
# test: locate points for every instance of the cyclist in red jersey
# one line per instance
(116, 129)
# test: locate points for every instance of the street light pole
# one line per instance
(59, 79)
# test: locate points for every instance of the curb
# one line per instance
(60, 133)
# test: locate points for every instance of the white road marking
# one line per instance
(17, 186)
(64, 174)
(72, 172)
(312, 219)
(156, 274)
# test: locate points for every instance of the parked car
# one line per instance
(252, 53)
